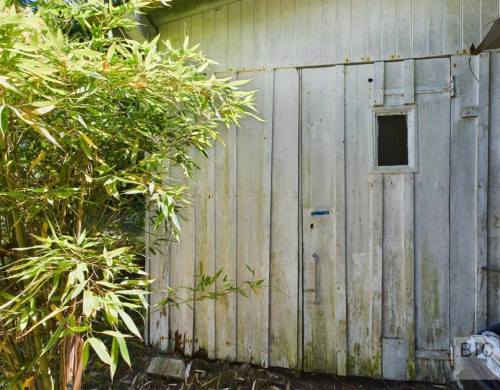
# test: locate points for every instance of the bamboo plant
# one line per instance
(91, 124)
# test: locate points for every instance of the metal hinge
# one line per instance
(453, 86)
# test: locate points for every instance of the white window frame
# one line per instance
(410, 112)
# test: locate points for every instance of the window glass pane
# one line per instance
(392, 140)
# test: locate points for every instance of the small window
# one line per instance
(392, 142)
(394, 139)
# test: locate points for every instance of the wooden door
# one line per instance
(375, 218)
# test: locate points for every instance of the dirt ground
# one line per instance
(220, 375)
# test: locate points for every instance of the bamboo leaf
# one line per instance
(130, 323)
(100, 349)
(37, 161)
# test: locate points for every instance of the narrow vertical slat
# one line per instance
(182, 263)
(234, 45)
(340, 221)
(376, 240)
(221, 42)
(274, 34)
(173, 34)
(287, 33)
(208, 34)
(377, 93)
(253, 210)
(184, 29)
(409, 86)
(329, 13)
(436, 18)
(409, 274)
(452, 27)
(404, 32)
(358, 27)
(301, 32)
(247, 34)
(285, 270)
(419, 27)
(261, 38)
(373, 35)
(482, 192)
(225, 241)
(204, 310)
(462, 199)
(471, 27)
(493, 191)
(196, 30)
(388, 29)
(315, 33)
(344, 20)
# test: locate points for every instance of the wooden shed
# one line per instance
(369, 200)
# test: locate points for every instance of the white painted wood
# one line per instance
(274, 34)
(388, 29)
(358, 31)
(184, 29)
(221, 43)
(329, 13)
(234, 33)
(182, 263)
(247, 34)
(377, 92)
(462, 199)
(488, 9)
(432, 262)
(225, 241)
(493, 198)
(196, 36)
(173, 34)
(204, 310)
(363, 293)
(481, 218)
(404, 31)
(301, 33)
(435, 22)
(344, 29)
(260, 31)
(420, 28)
(471, 14)
(315, 32)
(409, 86)
(253, 208)
(318, 196)
(339, 227)
(287, 36)
(285, 271)
(209, 36)
(452, 27)
(373, 36)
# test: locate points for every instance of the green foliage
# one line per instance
(91, 125)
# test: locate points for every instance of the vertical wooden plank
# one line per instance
(261, 42)
(432, 194)
(471, 27)
(482, 192)
(358, 26)
(340, 221)
(208, 34)
(328, 14)
(225, 241)
(377, 93)
(409, 85)
(344, 20)
(409, 274)
(315, 33)
(234, 45)
(283, 317)
(404, 32)
(274, 34)
(185, 30)
(419, 27)
(493, 198)
(159, 270)
(253, 226)
(388, 29)
(221, 40)
(182, 264)
(287, 32)
(373, 35)
(376, 243)
(462, 199)
(204, 310)
(436, 22)
(247, 34)
(301, 32)
(318, 196)
(197, 30)
(362, 296)
(489, 12)
(452, 27)
(173, 33)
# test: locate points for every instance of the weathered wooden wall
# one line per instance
(409, 257)
(252, 34)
